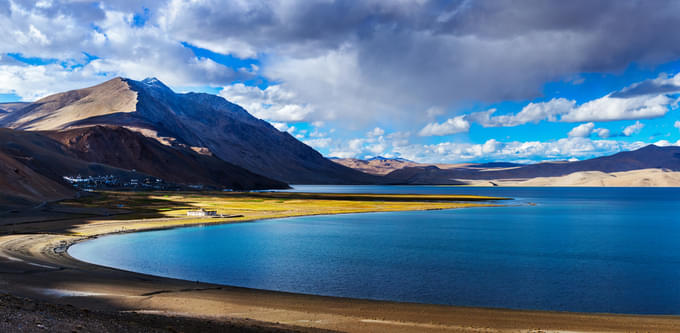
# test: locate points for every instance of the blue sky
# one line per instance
(423, 80)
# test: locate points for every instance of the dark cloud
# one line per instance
(444, 53)
(649, 87)
(85, 11)
(398, 57)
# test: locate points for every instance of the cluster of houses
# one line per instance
(92, 181)
(111, 181)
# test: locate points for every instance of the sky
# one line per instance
(430, 81)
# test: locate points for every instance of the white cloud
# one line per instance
(677, 124)
(602, 132)
(377, 148)
(582, 131)
(280, 126)
(532, 113)
(273, 103)
(61, 33)
(397, 144)
(606, 108)
(366, 60)
(562, 149)
(319, 143)
(666, 143)
(451, 126)
(343, 154)
(633, 129)
(376, 132)
(33, 82)
(490, 146)
(610, 108)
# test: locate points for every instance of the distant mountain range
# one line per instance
(384, 166)
(377, 165)
(665, 159)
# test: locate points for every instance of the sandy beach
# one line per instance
(38, 273)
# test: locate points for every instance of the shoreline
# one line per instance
(27, 259)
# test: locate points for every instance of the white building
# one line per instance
(201, 213)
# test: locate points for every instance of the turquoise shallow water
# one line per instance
(578, 249)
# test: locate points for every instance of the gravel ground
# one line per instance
(26, 315)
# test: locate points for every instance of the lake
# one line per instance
(577, 249)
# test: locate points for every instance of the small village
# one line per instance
(114, 182)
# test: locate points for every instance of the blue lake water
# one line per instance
(578, 249)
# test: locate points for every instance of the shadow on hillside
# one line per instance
(64, 216)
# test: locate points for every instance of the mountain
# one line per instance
(6, 108)
(32, 167)
(376, 165)
(649, 157)
(33, 164)
(198, 120)
(384, 166)
(125, 149)
(395, 159)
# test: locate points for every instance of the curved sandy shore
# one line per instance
(36, 265)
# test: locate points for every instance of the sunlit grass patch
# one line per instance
(154, 210)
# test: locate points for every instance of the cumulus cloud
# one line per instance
(319, 143)
(279, 126)
(666, 143)
(450, 126)
(606, 108)
(33, 82)
(359, 60)
(602, 132)
(610, 108)
(633, 129)
(388, 57)
(563, 149)
(582, 131)
(273, 103)
(397, 145)
(532, 113)
(376, 132)
(80, 43)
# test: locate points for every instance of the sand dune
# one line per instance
(634, 178)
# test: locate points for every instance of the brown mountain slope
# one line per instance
(383, 166)
(197, 120)
(20, 184)
(122, 148)
(10, 107)
(59, 111)
(375, 166)
(32, 167)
